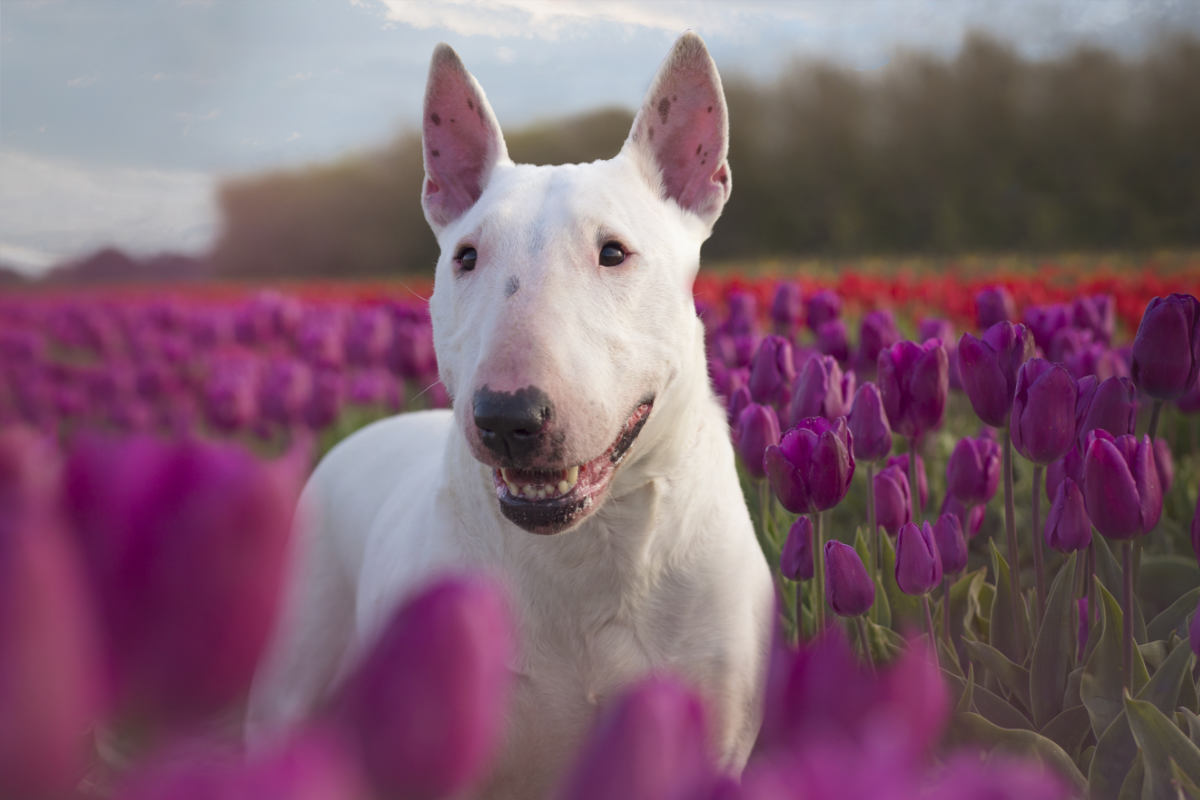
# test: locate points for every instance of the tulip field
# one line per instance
(977, 494)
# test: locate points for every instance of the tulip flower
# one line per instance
(831, 340)
(743, 313)
(893, 499)
(787, 309)
(848, 588)
(1045, 321)
(821, 390)
(739, 400)
(876, 332)
(1166, 349)
(1069, 466)
(993, 304)
(988, 369)
(918, 564)
(823, 306)
(426, 707)
(999, 777)
(1121, 487)
(973, 471)
(757, 429)
(771, 372)
(1096, 314)
(869, 425)
(796, 561)
(913, 382)
(1110, 404)
(1043, 415)
(921, 492)
(1068, 527)
(650, 743)
(185, 546)
(970, 517)
(951, 543)
(810, 469)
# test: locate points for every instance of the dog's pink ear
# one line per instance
(681, 132)
(461, 139)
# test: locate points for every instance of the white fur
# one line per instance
(665, 575)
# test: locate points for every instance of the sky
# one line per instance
(119, 118)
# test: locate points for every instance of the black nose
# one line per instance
(511, 423)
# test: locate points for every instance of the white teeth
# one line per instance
(572, 477)
(563, 487)
(541, 491)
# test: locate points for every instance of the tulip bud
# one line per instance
(951, 543)
(922, 488)
(831, 340)
(810, 469)
(821, 390)
(1121, 488)
(425, 709)
(918, 565)
(739, 400)
(1069, 466)
(1166, 349)
(743, 313)
(876, 332)
(823, 306)
(757, 429)
(993, 304)
(787, 309)
(1110, 404)
(848, 588)
(1043, 415)
(988, 369)
(1045, 321)
(869, 425)
(971, 518)
(771, 372)
(796, 561)
(913, 382)
(893, 499)
(973, 471)
(1068, 527)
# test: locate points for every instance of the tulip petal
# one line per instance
(983, 381)
(1109, 492)
(1149, 485)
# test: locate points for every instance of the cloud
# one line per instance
(291, 137)
(82, 82)
(52, 210)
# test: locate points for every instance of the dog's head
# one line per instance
(562, 306)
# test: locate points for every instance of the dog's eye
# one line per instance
(612, 254)
(466, 258)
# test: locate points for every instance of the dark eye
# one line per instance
(612, 254)
(466, 258)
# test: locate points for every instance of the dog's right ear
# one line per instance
(460, 137)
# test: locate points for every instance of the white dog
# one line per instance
(586, 461)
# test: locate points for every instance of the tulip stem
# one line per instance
(929, 621)
(819, 571)
(876, 568)
(1127, 612)
(946, 610)
(860, 622)
(1010, 531)
(1036, 535)
(1155, 410)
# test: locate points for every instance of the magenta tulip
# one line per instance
(988, 369)
(1121, 486)
(848, 588)
(913, 381)
(1166, 349)
(810, 469)
(1110, 404)
(973, 471)
(869, 425)
(796, 560)
(1043, 415)
(918, 564)
(951, 543)
(823, 306)
(757, 429)
(1068, 527)
(821, 390)
(893, 499)
(771, 372)
(993, 304)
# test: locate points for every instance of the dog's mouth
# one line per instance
(551, 501)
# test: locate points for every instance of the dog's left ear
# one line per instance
(460, 137)
(681, 133)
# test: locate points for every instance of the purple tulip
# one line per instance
(971, 518)
(743, 313)
(951, 543)
(877, 331)
(994, 304)
(973, 471)
(1121, 487)
(999, 777)
(913, 382)
(1044, 322)
(922, 488)
(869, 425)
(1166, 349)
(1097, 314)
(1068, 527)
(739, 399)
(848, 588)
(757, 429)
(185, 544)
(1069, 466)
(787, 309)
(823, 306)
(369, 337)
(988, 369)
(893, 499)
(831, 340)
(821, 390)
(772, 373)
(936, 328)
(51, 689)
(1189, 401)
(1110, 404)
(425, 709)
(918, 565)
(811, 468)
(1043, 415)
(651, 743)
(796, 561)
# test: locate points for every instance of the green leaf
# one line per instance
(905, 609)
(1054, 651)
(1163, 578)
(1191, 721)
(965, 606)
(1069, 729)
(1113, 576)
(1188, 786)
(1161, 743)
(1101, 685)
(991, 705)
(966, 698)
(1013, 677)
(880, 612)
(974, 728)
(1004, 636)
(1131, 785)
(1175, 618)
(885, 642)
